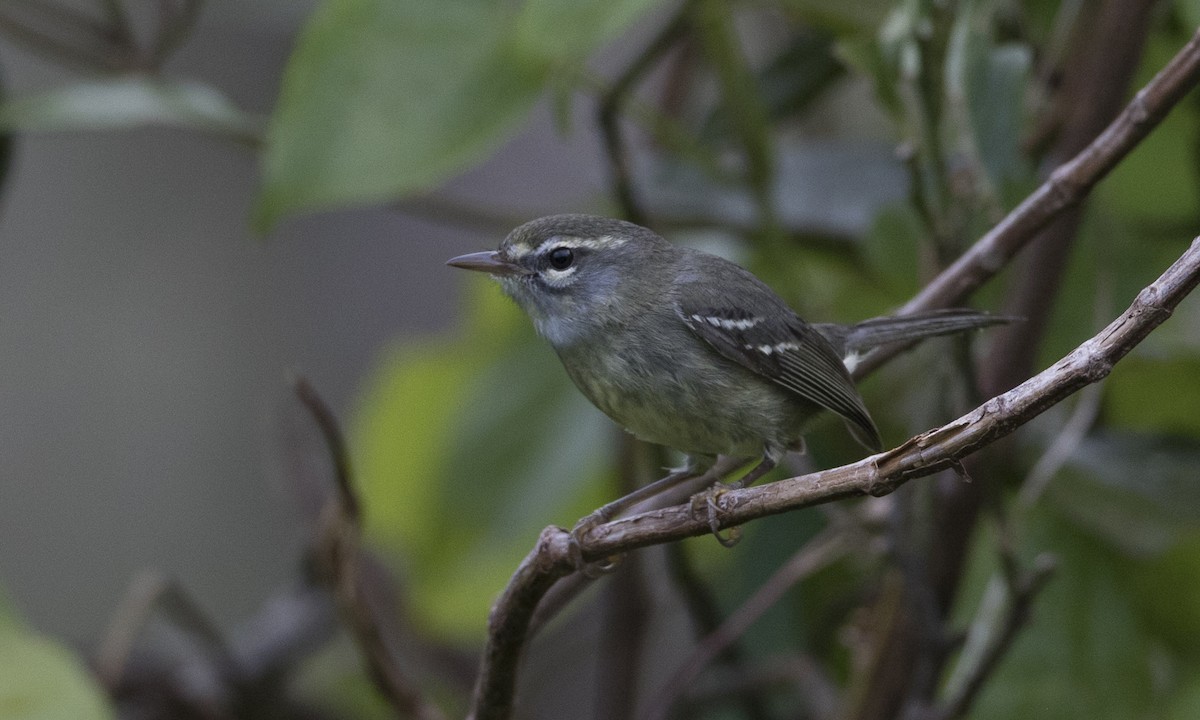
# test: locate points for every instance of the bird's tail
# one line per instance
(854, 339)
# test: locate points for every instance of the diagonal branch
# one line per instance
(925, 454)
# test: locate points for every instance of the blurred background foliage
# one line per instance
(844, 151)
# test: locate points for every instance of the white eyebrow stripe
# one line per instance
(599, 243)
(728, 323)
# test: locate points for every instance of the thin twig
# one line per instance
(609, 113)
(797, 672)
(174, 24)
(148, 592)
(705, 615)
(338, 546)
(992, 635)
(922, 455)
(823, 550)
(63, 35)
(625, 611)
(1066, 186)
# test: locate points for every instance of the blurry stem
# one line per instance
(151, 591)
(62, 35)
(744, 106)
(1002, 613)
(338, 550)
(797, 673)
(665, 130)
(625, 610)
(706, 618)
(173, 28)
(1054, 50)
(922, 53)
(613, 98)
(824, 549)
(623, 629)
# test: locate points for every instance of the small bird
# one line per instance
(686, 349)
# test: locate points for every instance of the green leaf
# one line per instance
(1155, 395)
(384, 98)
(840, 17)
(1189, 12)
(1167, 584)
(1085, 653)
(41, 680)
(997, 93)
(1138, 492)
(129, 102)
(1159, 181)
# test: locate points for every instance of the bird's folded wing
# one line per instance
(787, 351)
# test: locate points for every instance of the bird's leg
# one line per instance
(767, 464)
(695, 467)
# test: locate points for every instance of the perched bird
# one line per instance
(686, 349)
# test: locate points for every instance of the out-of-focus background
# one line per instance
(147, 331)
(270, 189)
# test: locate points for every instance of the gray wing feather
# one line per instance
(784, 349)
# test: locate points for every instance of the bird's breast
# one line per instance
(674, 394)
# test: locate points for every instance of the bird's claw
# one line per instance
(575, 549)
(714, 512)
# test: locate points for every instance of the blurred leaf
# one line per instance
(1189, 12)
(1153, 395)
(467, 447)
(1138, 492)
(985, 85)
(822, 187)
(1168, 586)
(1159, 182)
(1085, 653)
(866, 58)
(997, 84)
(41, 680)
(129, 102)
(890, 248)
(1185, 704)
(387, 97)
(840, 17)
(790, 81)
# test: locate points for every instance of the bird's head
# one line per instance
(570, 273)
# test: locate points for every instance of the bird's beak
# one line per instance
(488, 261)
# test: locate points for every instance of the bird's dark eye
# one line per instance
(561, 258)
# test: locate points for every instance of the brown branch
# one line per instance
(923, 455)
(338, 549)
(1066, 187)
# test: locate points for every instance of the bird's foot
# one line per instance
(575, 549)
(714, 513)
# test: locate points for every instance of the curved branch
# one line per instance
(923, 455)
